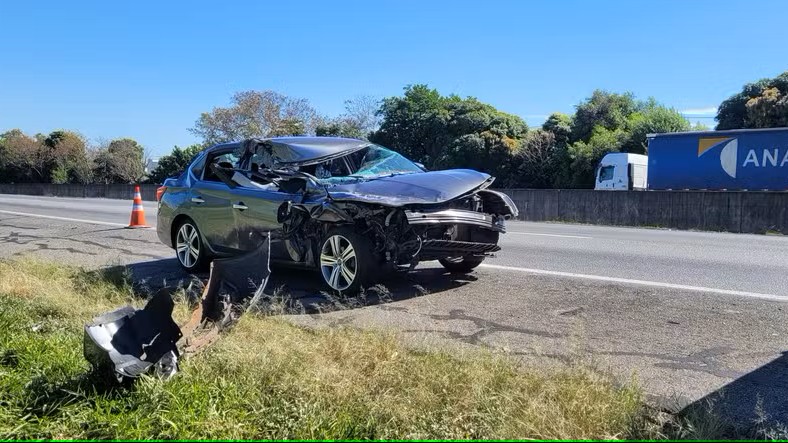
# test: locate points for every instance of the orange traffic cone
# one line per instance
(137, 212)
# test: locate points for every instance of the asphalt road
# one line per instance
(752, 264)
(691, 314)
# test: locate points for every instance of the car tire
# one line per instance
(461, 265)
(346, 261)
(189, 247)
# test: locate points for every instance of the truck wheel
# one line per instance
(347, 260)
(461, 265)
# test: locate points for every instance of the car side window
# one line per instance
(198, 167)
(261, 160)
(257, 172)
(606, 173)
(226, 160)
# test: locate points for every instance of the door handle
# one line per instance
(197, 200)
(240, 206)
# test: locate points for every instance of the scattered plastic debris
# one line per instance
(132, 342)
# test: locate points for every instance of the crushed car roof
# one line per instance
(300, 150)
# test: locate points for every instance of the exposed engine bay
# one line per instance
(402, 236)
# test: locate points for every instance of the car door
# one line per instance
(256, 203)
(211, 205)
(256, 209)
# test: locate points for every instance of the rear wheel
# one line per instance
(189, 248)
(346, 260)
(461, 264)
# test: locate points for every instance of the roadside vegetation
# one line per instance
(267, 378)
(440, 131)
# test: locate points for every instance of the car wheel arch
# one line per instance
(177, 222)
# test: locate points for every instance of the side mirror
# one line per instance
(421, 165)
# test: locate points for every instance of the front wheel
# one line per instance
(461, 265)
(347, 260)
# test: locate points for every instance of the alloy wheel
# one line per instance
(338, 262)
(187, 245)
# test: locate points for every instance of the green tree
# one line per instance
(67, 158)
(762, 104)
(768, 110)
(128, 157)
(483, 138)
(606, 109)
(606, 122)
(413, 123)
(288, 126)
(450, 132)
(102, 166)
(256, 114)
(120, 161)
(585, 155)
(539, 161)
(560, 125)
(174, 163)
(652, 119)
(339, 127)
(23, 159)
(60, 174)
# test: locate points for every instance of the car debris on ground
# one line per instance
(131, 342)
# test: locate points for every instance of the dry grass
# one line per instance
(269, 379)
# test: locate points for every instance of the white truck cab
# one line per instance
(619, 171)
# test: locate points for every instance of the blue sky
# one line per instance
(146, 70)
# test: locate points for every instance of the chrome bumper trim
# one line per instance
(456, 216)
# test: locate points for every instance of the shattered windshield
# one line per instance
(371, 162)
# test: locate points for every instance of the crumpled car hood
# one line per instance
(418, 188)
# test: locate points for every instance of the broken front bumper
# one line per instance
(456, 216)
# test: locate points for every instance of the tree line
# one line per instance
(440, 131)
(65, 157)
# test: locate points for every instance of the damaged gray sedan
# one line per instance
(348, 208)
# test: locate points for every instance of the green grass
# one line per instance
(267, 378)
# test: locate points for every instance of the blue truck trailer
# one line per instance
(735, 160)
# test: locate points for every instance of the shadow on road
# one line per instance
(758, 400)
(303, 291)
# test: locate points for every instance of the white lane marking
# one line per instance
(656, 284)
(77, 220)
(548, 235)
